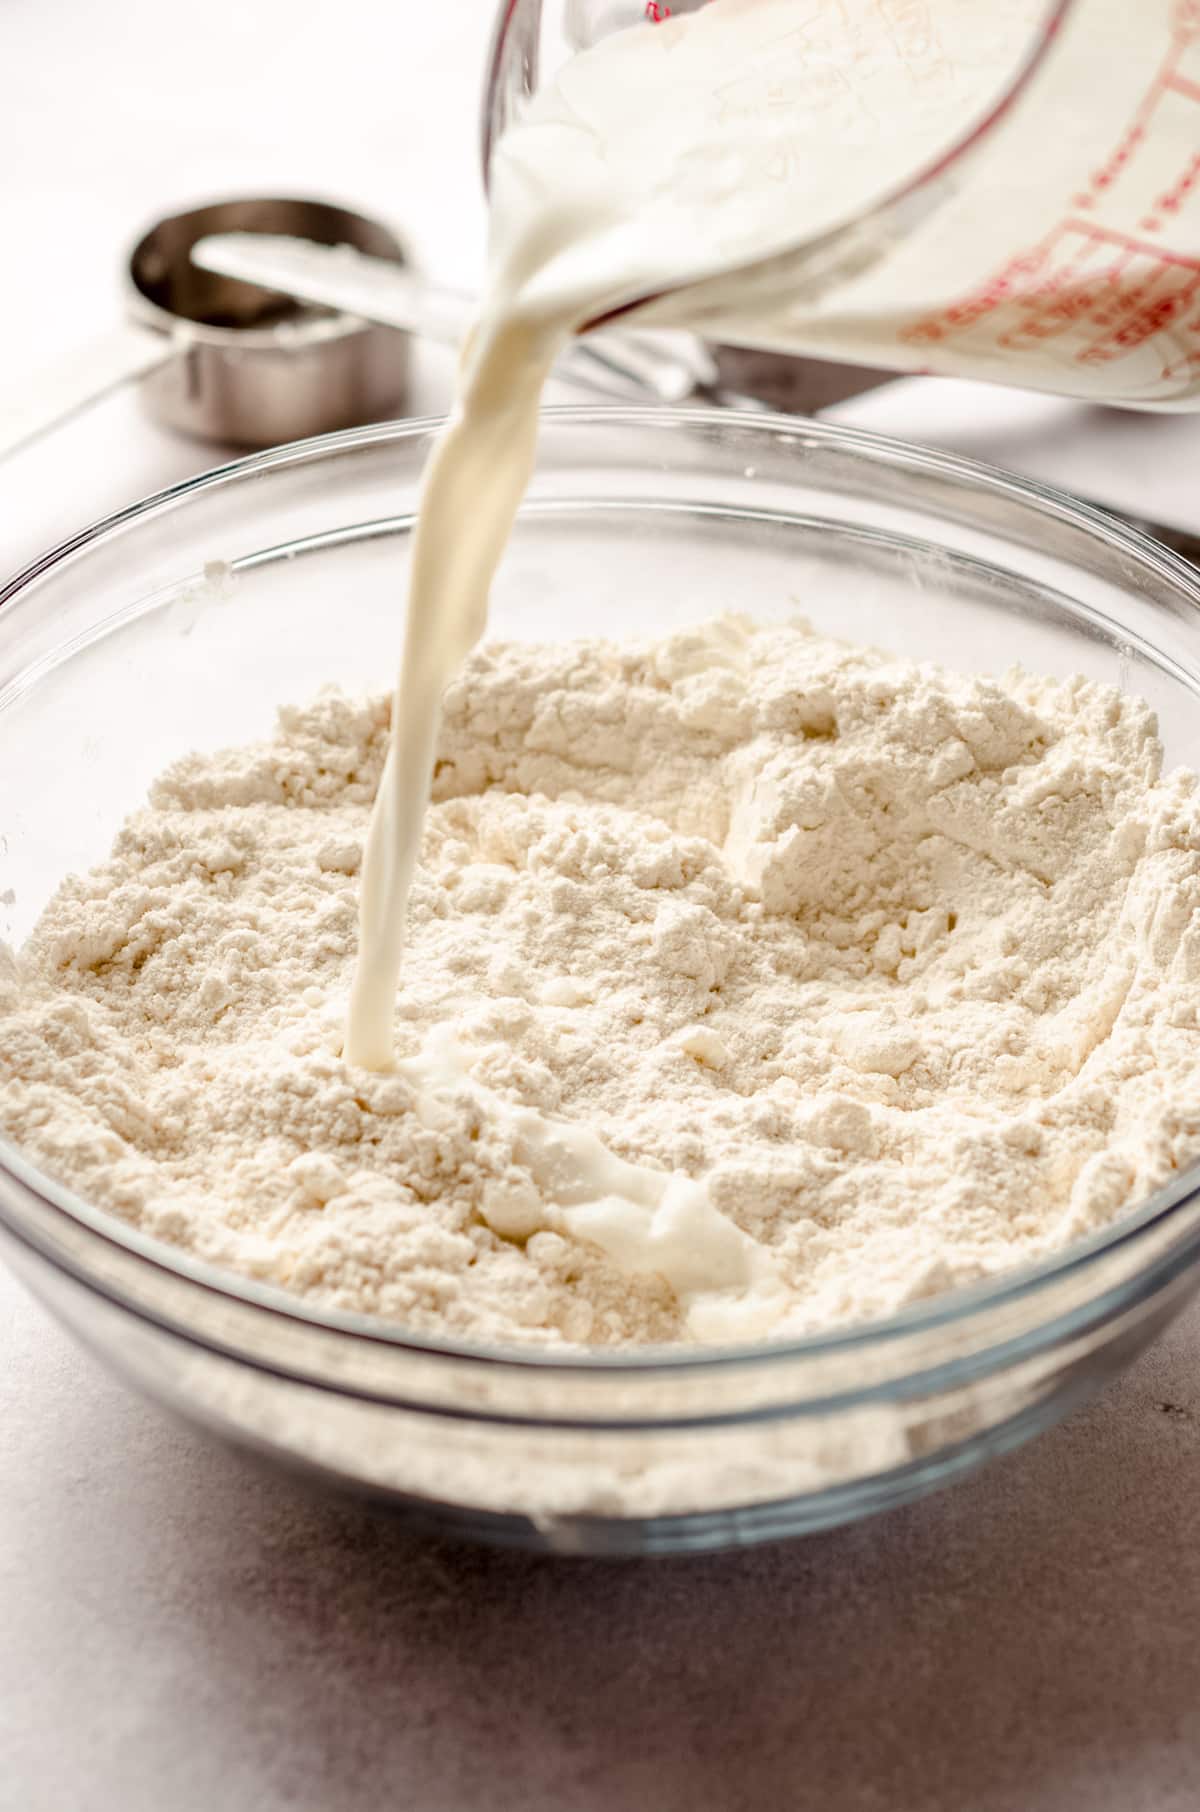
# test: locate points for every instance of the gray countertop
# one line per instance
(183, 1631)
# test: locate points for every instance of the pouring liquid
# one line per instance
(672, 171)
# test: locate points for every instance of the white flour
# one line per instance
(904, 965)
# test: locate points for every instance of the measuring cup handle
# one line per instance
(91, 371)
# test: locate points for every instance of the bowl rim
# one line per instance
(946, 1309)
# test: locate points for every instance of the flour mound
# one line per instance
(903, 965)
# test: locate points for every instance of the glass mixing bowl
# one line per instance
(181, 623)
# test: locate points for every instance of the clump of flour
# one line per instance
(902, 966)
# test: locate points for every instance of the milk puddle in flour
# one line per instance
(656, 162)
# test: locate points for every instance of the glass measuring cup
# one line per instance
(1053, 243)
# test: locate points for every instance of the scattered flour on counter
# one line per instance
(883, 978)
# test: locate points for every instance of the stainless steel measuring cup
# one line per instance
(227, 360)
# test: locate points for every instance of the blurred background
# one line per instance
(117, 114)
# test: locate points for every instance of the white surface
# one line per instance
(178, 1632)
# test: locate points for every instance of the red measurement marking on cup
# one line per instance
(1105, 290)
(658, 10)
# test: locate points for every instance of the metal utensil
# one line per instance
(672, 367)
(225, 359)
(617, 362)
